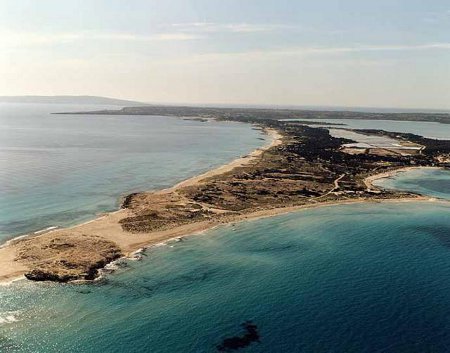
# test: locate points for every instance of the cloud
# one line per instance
(277, 56)
(171, 33)
(15, 39)
(158, 37)
(212, 27)
(301, 51)
(374, 48)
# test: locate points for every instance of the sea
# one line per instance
(370, 277)
(60, 170)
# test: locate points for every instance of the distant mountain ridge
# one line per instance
(94, 100)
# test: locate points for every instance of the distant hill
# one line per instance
(69, 100)
(253, 114)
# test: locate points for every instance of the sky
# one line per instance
(384, 53)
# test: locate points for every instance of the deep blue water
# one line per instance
(359, 278)
(355, 278)
(57, 170)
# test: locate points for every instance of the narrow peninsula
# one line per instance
(304, 166)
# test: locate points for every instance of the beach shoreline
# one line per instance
(12, 273)
(12, 270)
(108, 227)
(369, 181)
(16, 272)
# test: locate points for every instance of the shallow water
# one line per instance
(63, 169)
(355, 278)
(358, 278)
(432, 182)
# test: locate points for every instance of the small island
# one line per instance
(303, 166)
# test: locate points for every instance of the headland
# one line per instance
(302, 167)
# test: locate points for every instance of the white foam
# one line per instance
(135, 257)
(46, 230)
(8, 318)
(112, 266)
(8, 283)
(159, 245)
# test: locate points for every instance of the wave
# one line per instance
(45, 230)
(8, 317)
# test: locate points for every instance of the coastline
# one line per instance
(238, 162)
(12, 270)
(107, 226)
(372, 178)
(12, 273)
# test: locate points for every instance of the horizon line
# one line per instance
(238, 105)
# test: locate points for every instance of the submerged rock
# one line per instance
(237, 342)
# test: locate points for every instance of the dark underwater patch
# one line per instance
(148, 286)
(440, 232)
(250, 336)
(274, 248)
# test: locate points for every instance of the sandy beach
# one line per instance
(276, 140)
(109, 228)
(107, 225)
(370, 180)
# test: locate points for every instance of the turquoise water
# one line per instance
(57, 170)
(355, 278)
(433, 182)
(359, 278)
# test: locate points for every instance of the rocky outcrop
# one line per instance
(126, 202)
(64, 258)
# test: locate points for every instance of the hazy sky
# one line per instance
(384, 53)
